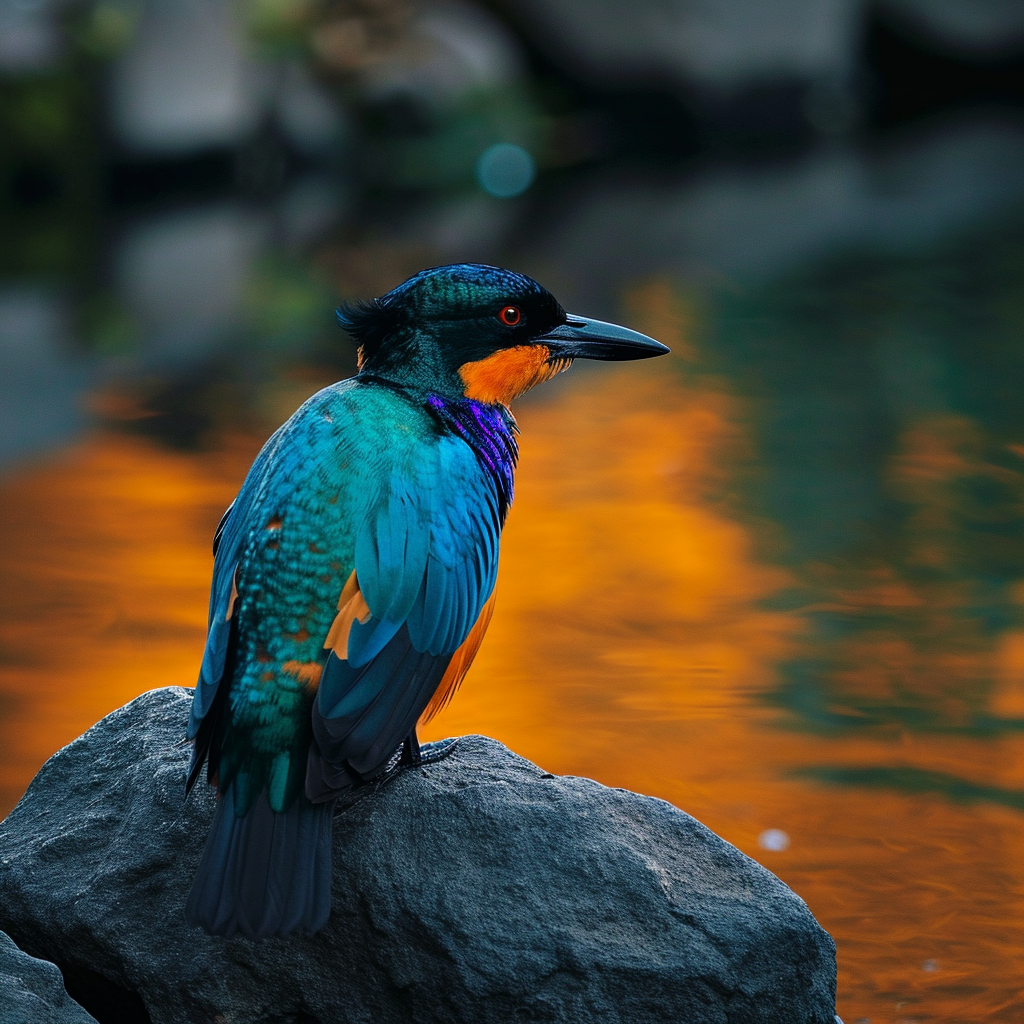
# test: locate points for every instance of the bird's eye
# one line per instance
(510, 315)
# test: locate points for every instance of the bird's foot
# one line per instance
(411, 751)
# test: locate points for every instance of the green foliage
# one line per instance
(48, 174)
(106, 326)
(441, 151)
(106, 29)
(279, 27)
(288, 309)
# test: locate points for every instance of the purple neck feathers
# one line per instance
(490, 431)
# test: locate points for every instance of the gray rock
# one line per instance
(476, 888)
(32, 991)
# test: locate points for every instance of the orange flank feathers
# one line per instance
(509, 373)
(351, 606)
(234, 596)
(307, 672)
(459, 665)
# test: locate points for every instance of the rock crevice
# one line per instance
(32, 991)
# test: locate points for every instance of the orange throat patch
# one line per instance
(505, 375)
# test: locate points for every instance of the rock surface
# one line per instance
(476, 888)
(32, 991)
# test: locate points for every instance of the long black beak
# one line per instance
(582, 338)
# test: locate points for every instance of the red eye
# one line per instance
(510, 316)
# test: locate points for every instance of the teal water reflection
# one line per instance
(888, 428)
(915, 780)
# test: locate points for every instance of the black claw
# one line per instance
(411, 750)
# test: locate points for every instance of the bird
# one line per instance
(354, 576)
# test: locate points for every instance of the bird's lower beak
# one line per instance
(582, 338)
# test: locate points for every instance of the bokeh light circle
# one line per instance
(773, 839)
(505, 170)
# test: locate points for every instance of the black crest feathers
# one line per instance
(370, 323)
(363, 317)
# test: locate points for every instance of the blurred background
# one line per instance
(776, 578)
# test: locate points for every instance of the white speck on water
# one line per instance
(930, 966)
(773, 839)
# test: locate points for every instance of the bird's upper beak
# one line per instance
(582, 338)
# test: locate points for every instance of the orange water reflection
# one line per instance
(105, 571)
(634, 641)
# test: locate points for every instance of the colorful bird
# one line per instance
(354, 575)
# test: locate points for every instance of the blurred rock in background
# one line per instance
(182, 82)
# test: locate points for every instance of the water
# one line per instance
(776, 578)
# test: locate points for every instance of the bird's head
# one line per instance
(479, 332)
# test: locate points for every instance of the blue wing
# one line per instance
(227, 543)
(426, 559)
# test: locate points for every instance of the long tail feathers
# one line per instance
(265, 873)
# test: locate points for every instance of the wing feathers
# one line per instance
(459, 665)
(352, 607)
(426, 561)
(374, 708)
